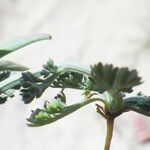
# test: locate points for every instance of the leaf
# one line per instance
(4, 75)
(30, 82)
(49, 66)
(73, 76)
(3, 99)
(8, 85)
(54, 111)
(9, 93)
(125, 80)
(139, 102)
(70, 80)
(51, 76)
(13, 45)
(109, 78)
(33, 87)
(11, 66)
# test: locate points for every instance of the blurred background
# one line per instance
(83, 31)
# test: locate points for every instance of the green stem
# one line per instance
(109, 134)
(76, 68)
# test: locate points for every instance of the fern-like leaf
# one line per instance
(54, 111)
(140, 104)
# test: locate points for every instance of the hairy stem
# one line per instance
(109, 134)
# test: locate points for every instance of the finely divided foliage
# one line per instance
(104, 83)
(8, 86)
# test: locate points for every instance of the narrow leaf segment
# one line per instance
(13, 45)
